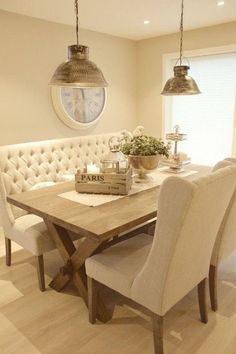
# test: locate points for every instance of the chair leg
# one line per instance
(40, 271)
(213, 287)
(157, 324)
(92, 300)
(202, 301)
(8, 251)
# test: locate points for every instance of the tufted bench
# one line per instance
(22, 166)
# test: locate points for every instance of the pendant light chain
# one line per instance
(181, 83)
(181, 32)
(77, 20)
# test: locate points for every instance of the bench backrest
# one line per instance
(24, 165)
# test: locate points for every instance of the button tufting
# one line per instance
(50, 159)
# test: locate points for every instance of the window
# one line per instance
(208, 119)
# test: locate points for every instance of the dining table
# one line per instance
(99, 226)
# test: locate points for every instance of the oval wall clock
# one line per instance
(79, 108)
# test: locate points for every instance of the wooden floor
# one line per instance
(32, 322)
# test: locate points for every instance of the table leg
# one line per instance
(74, 268)
(60, 281)
(66, 248)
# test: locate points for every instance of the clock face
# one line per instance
(79, 107)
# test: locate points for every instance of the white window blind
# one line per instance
(208, 119)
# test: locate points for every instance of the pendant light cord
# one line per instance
(77, 20)
(181, 32)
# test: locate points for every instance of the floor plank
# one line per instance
(32, 322)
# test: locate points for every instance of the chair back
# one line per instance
(189, 216)
(226, 238)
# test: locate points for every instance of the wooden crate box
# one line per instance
(103, 183)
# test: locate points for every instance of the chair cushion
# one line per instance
(117, 266)
(30, 232)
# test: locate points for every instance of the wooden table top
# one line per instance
(102, 221)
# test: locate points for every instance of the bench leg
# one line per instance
(8, 251)
(40, 271)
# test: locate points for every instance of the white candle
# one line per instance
(92, 168)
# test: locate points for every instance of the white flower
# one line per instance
(138, 131)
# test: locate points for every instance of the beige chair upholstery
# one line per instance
(157, 272)
(22, 166)
(29, 232)
(226, 238)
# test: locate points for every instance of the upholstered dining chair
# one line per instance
(225, 241)
(155, 273)
(27, 230)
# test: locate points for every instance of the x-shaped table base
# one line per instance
(74, 268)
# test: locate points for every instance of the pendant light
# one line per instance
(78, 70)
(181, 83)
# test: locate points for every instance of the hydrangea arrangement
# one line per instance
(144, 145)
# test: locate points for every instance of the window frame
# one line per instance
(168, 72)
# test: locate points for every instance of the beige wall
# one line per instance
(150, 69)
(31, 50)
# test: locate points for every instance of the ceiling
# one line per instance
(125, 18)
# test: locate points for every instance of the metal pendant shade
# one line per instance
(181, 83)
(78, 70)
